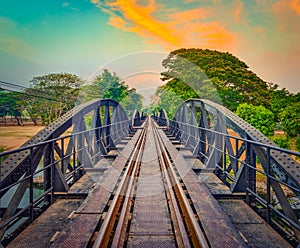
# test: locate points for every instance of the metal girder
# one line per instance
(85, 147)
(137, 118)
(285, 167)
(162, 118)
(14, 166)
(213, 145)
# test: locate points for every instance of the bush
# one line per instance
(282, 142)
(258, 116)
(289, 118)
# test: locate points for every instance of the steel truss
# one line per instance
(239, 154)
(54, 159)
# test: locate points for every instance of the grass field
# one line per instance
(12, 137)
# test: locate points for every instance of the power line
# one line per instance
(21, 90)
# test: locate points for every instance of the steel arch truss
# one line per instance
(161, 118)
(237, 152)
(137, 118)
(54, 158)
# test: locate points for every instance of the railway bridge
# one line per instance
(95, 178)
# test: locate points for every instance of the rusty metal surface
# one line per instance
(256, 231)
(150, 241)
(79, 231)
(151, 224)
(214, 184)
(151, 217)
(212, 218)
(53, 220)
(86, 218)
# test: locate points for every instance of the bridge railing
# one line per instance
(61, 162)
(51, 160)
(249, 169)
(243, 158)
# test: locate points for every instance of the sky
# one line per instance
(39, 37)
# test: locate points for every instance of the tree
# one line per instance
(132, 101)
(282, 142)
(50, 96)
(109, 85)
(9, 105)
(280, 99)
(217, 76)
(258, 116)
(166, 98)
(106, 85)
(290, 119)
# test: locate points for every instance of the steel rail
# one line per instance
(187, 230)
(178, 224)
(125, 185)
(198, 237)
(120, 231)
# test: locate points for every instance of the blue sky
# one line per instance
(44, 36)
(39, 37)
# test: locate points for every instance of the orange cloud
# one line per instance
(118, 22)
(191, 15)
(179, 28)
(140, 21)
(296, 6)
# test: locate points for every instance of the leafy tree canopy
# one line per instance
(52, 95)
(280, 99)
(109, 85)
(214, 75)
(258, 116)
(9, 105)
(290, 119)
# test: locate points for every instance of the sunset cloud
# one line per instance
(296, 6)
(43, 36)
(176, 28)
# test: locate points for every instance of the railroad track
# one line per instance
(150, 204)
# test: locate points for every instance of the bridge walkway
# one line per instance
(74, 220)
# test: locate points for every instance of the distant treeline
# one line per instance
(189, 73)
(50, 96)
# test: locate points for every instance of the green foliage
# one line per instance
(280, 99)
(298, 144)
(214, 75)
(52, 95)
(290, 119)
(109, 85)
(10, 105)
(88, 120)
(283, 142)
(167, 99)
(258, 116)
(131, 101)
